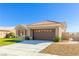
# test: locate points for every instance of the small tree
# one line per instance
(7, 36)
(10, 35)
(56, 39)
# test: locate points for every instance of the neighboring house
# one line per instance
(46, 30)
(6, 30)
(75, 36)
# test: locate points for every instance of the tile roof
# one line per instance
(48, 22)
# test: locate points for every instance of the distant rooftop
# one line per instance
(6, 28)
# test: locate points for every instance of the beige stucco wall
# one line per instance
(13, 31)
(59, 31)
(4, 32)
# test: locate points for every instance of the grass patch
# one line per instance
(7, 41)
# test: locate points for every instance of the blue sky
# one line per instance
(14, 14)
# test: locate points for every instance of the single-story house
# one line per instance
(6, 30)
(45, 30)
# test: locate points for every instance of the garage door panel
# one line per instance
(44, 34)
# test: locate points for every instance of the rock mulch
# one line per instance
(62, 49)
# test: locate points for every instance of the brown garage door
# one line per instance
(43, 34)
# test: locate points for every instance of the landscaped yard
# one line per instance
(62, 49)
(7, 41)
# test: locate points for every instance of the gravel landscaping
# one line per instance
(62, 49)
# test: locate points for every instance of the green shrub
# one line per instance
(56, 39)
(7, 36)
(10, 35)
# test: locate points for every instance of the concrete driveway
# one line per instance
(25, 48)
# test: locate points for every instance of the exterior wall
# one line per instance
(31, 33)
(3, 34)
(28, 32)
(75, 36)
(59, 32)
(21, 32)
(6, 30)
(66, 36)
(13, 31)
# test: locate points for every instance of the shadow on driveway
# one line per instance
(17, 41)
(34, 41)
